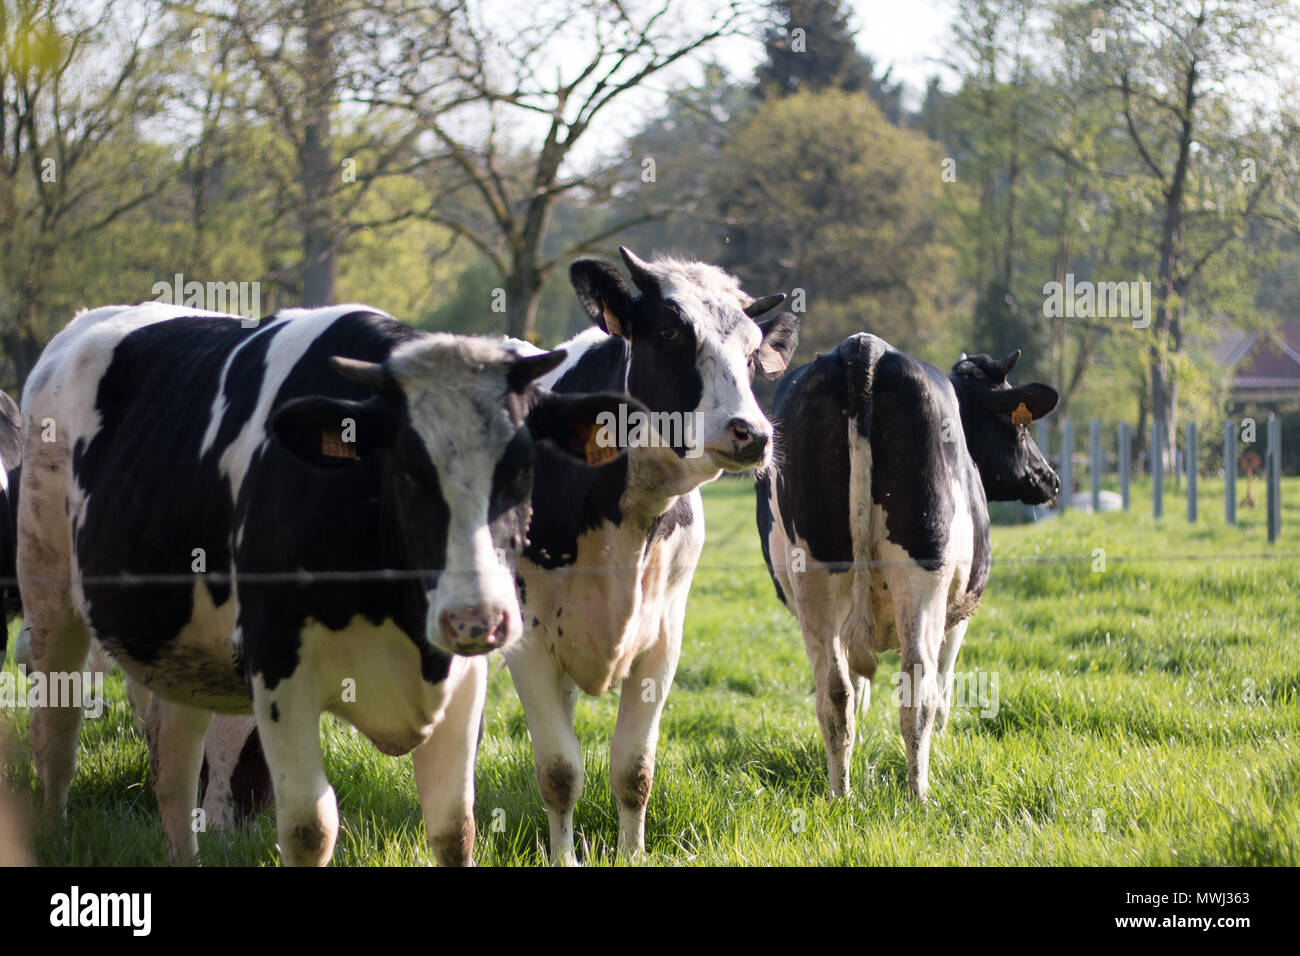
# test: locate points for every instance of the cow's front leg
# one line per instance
(306, 813)
(636, 734)
(947, 661)
(549, 697)
(444, 766)
(920, 631)
(175, 733)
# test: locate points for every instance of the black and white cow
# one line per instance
(874, 523)
(612, 551)
(395, 465)
(11, 456)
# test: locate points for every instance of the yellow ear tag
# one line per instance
(612, 325)
(332, 445)
(598, 454)
(1021, 415)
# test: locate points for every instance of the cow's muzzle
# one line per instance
(747, 445)
(474, 630)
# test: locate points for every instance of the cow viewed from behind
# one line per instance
(342, 500)
(874, 522)
(612, 551)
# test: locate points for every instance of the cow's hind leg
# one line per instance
(549, 698)
(636, 734)
(444, 769)
(59, 643)
(820, 614)
(288, 721)
(919, 618)
(175, 735)
(947, 661)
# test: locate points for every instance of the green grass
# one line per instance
(1147, 714)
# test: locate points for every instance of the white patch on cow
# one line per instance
(394, 705)
(457, 411)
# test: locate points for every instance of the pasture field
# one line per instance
(1148, 713)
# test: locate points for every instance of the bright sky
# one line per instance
(910, 35)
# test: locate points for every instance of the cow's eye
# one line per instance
(668, 333)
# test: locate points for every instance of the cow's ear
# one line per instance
(1038, 399)
(331, 433)
(583, 427)
(603, 294)
(780, 339)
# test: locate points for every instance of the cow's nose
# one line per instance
(474, 630)
(746, 435)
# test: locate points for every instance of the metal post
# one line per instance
(1230, 472)
(1190, 455)
(1067, 463)
(1157, 467)
(1125, 461)
(1094, 463)
(1273, 468)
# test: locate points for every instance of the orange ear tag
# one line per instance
(1021, 415)
(332, 445)
(598, 454)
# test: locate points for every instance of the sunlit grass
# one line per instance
(1147, 713)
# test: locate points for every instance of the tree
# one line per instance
(827, 200)
(810, 46)
(1185, 79)
(550, 74)
(76, 89)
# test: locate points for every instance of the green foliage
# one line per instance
(826, 195)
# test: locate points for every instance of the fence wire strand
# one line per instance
(388, 575)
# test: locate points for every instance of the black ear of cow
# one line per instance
(576, 425)
(764, 304)
(330, 433)
(1038, 399)
(780, 339)
(529, 368)
(603, 293)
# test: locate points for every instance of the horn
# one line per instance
(766, 304)
(370, 374)
(640, 271)
(1010, 361)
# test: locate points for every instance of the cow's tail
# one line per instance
(860, 354)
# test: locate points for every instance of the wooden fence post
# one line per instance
(1230, 472)
(1273, 469)
(1157, 467)
(1067, 463)
(1190, 455)
(1094, 463)
(1125, 461)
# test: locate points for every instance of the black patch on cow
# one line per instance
(763, 515)
(343, 519)
(810, 414)
(275, 712)
(678, 515)
(569, 498)
(143, 467)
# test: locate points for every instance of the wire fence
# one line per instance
(385, 575)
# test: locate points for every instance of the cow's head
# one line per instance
(995, 418)
(448, 431)
(694, 349)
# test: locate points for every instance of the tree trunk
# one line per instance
(320, 229)
(523, 293)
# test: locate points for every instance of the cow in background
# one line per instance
(874, 522)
